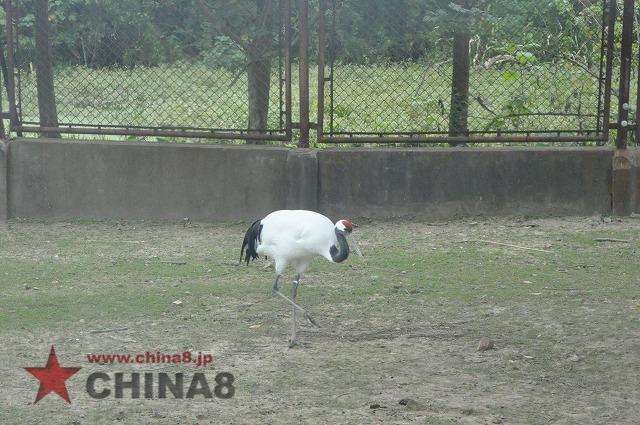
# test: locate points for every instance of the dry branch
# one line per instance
(102, 331)
(510, 245)
(611, 240)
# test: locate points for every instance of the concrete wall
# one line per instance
(465, 182)
(73, 179)
(56, 179)
(3, 182)
(626, 182)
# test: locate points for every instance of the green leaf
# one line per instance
(510, 75)
(525, 58)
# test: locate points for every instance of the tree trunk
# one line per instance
(259, 53)
(44, 69)
(458, 116)
(258, 86)
(5, 79)
(5, 69)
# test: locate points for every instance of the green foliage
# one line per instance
(379, 30)
(127, 33)
(224, 53)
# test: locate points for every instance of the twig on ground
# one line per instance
(343, 394)
(120, 339)
(564, 289)
(435, 335)
(612, 240)
(107, 241)
(509, 245)
(102, 331)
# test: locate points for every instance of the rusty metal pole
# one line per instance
(637, 117)
(11, 92)
(303, 40)
(637, 126)
(625, 73)
(287, 69)
(321, 66)
(612, 14)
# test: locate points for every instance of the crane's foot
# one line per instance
(311, 319)
(296, 343)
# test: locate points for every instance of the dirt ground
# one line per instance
(403, 323)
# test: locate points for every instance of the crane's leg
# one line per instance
(274, 288)
(294, 293)
(276, 291)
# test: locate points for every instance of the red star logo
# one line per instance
(52, 377)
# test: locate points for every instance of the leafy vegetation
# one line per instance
(126, 33)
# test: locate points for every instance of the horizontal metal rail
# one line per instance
(67, 124)
(463, 139)
(538, 132)
(203, 134)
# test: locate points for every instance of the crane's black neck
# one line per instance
(338, 256)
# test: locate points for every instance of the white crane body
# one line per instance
(295, 237)
(298, 241)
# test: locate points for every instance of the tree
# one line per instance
(252, 26)
(44, 70)
(106, 33)
(458, 115)
(382, 30)
(457, 19)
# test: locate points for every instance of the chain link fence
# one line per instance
(435, 70)
(194, 67)
(420, 71)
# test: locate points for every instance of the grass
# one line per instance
(402, 322)
(412, 97)
(177, 96)
(371, 98)
(120, 275)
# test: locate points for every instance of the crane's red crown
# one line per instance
(347, 224)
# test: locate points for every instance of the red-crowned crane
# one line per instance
(296, 237)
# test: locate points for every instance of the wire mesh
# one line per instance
(175, 65)
(408, 70)
(433, 69)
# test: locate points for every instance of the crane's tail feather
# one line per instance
(250, 243)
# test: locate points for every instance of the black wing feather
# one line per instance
(250, 242)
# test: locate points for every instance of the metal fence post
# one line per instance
(303, 40)
(611, 12)
(11, 93)
(625, 73)
(321, 65)
(637, 126)
(287, 70)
